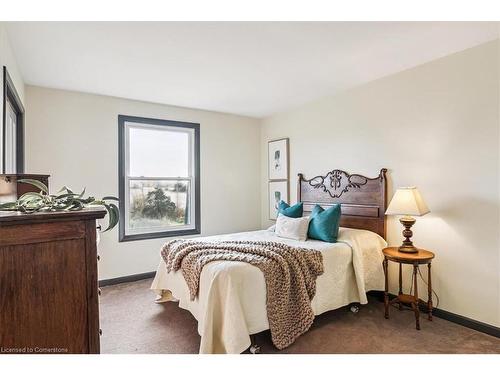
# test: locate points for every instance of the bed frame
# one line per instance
(363, 200)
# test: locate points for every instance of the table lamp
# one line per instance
(408, 202)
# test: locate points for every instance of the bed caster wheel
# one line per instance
(255, 349)
(354, 309)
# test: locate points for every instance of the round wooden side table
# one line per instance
(415, 259)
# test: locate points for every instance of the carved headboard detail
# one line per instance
(363, 199)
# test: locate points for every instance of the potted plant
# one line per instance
(64, 200)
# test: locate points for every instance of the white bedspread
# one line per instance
(231, 303)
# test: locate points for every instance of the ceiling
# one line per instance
(247, 68)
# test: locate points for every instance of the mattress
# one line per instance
(231, 304)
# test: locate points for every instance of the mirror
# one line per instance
(12, 132)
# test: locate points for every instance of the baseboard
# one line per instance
(452, 317)
(127, 279)
(467, 322)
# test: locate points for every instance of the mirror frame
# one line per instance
(10, 92)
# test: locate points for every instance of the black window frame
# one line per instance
(122, 178)
(10, 94)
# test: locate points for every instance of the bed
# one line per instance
(231, 302)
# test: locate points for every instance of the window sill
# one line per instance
(166, 234)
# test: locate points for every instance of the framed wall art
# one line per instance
(278, 191)
(278, 159)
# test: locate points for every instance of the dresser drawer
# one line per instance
(41, 232)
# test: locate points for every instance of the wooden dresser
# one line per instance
(49, 299)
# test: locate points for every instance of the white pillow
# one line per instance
(272, 228)
(290, 227)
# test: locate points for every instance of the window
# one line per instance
(159, 177)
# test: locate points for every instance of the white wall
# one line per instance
(7, 59)
(74, 137)
(437, 127)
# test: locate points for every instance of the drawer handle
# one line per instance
(99, 291)
(100, 332)
(98, 257)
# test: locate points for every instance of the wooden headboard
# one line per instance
(363, 199)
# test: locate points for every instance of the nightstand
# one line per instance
(415, 259)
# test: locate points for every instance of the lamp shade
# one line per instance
(407, 201)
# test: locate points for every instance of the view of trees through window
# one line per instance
(159, 203)
(159, 190)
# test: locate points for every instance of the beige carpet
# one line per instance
(133, 323)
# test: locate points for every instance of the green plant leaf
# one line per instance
(31, 194)
(62, 206)
(9, 206)
(114, 215)
(36, 183)
(76, 205)
(25, 199)
(66, 195)
(64, 189)
(89, 200)
(108, 209)
(110, 198)
(82, 193)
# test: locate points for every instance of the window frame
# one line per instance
(123, 177)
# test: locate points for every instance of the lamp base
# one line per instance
(407, 246)
(407, 249)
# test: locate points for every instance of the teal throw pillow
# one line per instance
(324, 224)
(290, 211)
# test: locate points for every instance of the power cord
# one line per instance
(425, 282)
(432, 290)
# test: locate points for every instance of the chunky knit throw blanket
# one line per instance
(290, 274)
